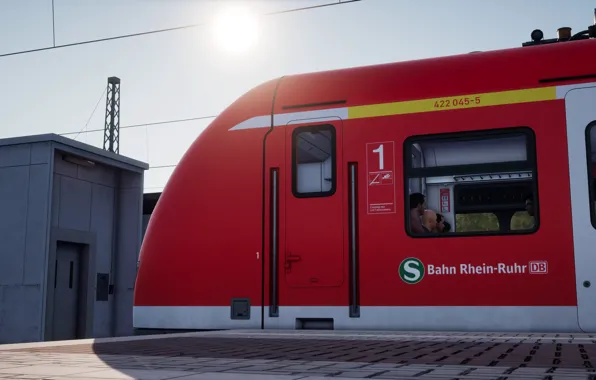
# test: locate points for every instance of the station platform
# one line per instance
(312, 355)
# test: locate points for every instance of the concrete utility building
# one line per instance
(70, 234)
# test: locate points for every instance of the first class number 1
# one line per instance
(456, 102)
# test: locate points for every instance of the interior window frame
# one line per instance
(530, 164)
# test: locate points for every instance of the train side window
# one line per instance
(591, 156)
(313, 158)
(479, 181)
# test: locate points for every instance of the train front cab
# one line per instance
(339, 253)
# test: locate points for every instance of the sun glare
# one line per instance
(236, 30)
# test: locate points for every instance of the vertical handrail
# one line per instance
(353, 236)
(273, 304)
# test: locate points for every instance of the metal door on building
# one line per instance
(66, 291)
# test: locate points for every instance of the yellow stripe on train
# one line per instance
(454, 102)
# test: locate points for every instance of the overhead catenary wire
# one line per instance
(92, 113)
(145, 124)
(123, 36)
(163, 166)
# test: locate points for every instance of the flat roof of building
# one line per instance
(78, 148)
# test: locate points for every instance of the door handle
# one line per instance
(291, 259)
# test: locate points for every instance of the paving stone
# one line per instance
(347, 365)
(260, 368)
(315, 373)
(393, 374)
(10, 365)
(301, 367)
(214, 368)
(234, 376)
(262, 372)
(357, 375)
(382, 366)
(118, 375)
(446, 371)
(46, 370)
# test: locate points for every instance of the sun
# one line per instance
(236, 30)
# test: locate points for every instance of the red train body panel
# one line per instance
(291, 209)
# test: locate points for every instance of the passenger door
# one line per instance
(313, 254)
(580, 106)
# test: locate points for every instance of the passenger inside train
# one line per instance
(442, 224)
(417, 208)
(429, 221)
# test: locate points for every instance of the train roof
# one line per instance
(479, 72)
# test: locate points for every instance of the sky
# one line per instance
(189, 73)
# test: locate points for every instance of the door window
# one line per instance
(313, 157)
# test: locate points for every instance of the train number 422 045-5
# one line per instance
(457, 102)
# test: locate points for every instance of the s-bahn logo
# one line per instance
(411, 270)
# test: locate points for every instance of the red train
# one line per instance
(292, 209)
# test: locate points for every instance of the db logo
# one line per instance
(538, 267)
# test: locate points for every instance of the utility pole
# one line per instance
(111, 132)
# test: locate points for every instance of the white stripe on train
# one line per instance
(292, 118)
(439, 318)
